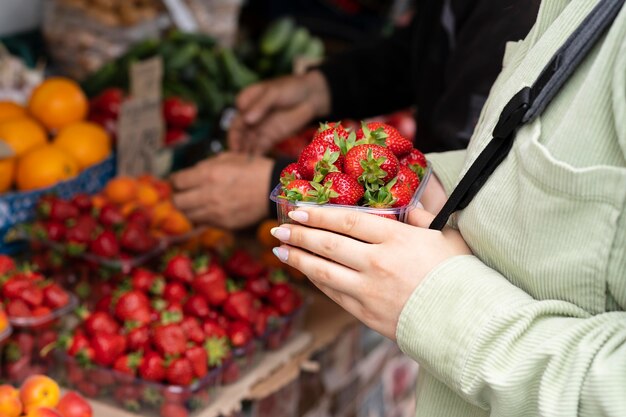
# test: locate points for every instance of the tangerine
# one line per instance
(43, 167)
(264, 236)
(87, 142)
(10, 110)
(176, 224)
(121, 190)
(22, 134)
(213, 238)
(147, 195)
(160, 213)
(7, 172)
(58, 102)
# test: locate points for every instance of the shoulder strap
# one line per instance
(529, 103)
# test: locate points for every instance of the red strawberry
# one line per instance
(240, 306)
(394, 194)
(133, 306)
(110, 216)
(152, 367)
(199, 359)
(32, 294)
(128, 364)
(55, 297)
(138, 338)
(264, 316)
(289, 173)
(242, 264)
(105, 245)
(174, 292)
(371, 164)
(78, 235)
(101, 322)
(14, 287)
(298, 190)
(258, 286)
(212, 285)
(416, 161)
(318, 159)
(179, 372)
(169, 339)
(88, 389)
(137, 239)
(179, 268)
(212, 329)
(402, 194)
(49, 230)
(339, 188)
(76, 344)
(142, 279)
(128, 396)
(196, 306)
(57, 209)
(6, 264)
(18, 308)
(326, 132)
(173, 410)
(82, 202)
(104, 304)
(240, 333)
(217, 350)
(140, 217)
(107, 348)
(385, 135)
(193, 330)
(284, 298)
(408, 176)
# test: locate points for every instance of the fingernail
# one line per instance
(281, 233)
(299, 216)
(281, 253)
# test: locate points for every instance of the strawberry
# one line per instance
(242, 264)
(258, 286)
(6, 264)
(133, 306)
(264, 317)
(212, 285)
(289, 173)
(239, 333)
(196, 306)
(140, 217)
(128, 396)
(54, 296)
(107, 348)
(32, 295)
(240, 306)
(128, 364)
(401, 193)
(385, 135)
(137, 239)
(82, 202)
(18, 308)
(105, 245)
(49, 230)
(14, 287)
(57, 209)
(110, 216)
(326, 132)
(416, 161)
(318, 159)
(142, 279)
(284, 298)
(339, 188)
(394, 194)
(104, 304)
(179, 372)
(212, 329)
(100, 322)
(79, 234)
(174, 291)
(169, 338)
(173, 410)
(138, 338)
(179, 268)
(88, 389)
(372, 165)
(408, 176)
(298, 190)
(193, 330)
(76, 344)
(152, 367)
(217, 350)
(199, 360)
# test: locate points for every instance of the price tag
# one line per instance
(146, 77)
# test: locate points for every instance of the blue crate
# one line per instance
(19, 207)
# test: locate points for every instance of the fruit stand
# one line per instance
(113, 301)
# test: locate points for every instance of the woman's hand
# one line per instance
(367, 264)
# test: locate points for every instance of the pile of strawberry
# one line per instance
(374, 166)
(175, 325)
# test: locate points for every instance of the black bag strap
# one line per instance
(529, 103)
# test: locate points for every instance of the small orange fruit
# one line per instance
(98, 201)
(10, 403)
(7, 172)
(39, 391)
(270, 260)
(10, 110)
(160, 212)
(57, 102)
(176, 224)
(121, 190)
(128, 208)
(22, 134)
(213, 238)
(264, 236)
(43, 167)
(87, 142)
(147, 195)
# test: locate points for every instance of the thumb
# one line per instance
(420, 218)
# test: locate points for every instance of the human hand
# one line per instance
(229, 190)
(367, 264)
(271, 111)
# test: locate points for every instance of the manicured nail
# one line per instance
(281, 253)
(281, 233)
(299, 216)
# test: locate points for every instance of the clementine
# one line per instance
(147, 195)
(176, 224)
(39, 391)
(7, 172)
(10, 110)
(57, 102)
(160, 213)
(43, 167)
(10, 404)
(87, 142)
(121, 190)
(22, 134)
(263, 234)
(213, 238)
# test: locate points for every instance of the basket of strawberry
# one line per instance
(36, 308)
(373, 169)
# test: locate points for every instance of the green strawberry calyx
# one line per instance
(373, 174)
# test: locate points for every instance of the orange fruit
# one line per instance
(264, 236)
(7, 172)
(213, 238)
(43, 167)
(160, 212)
(270, 260)
(87, 142)
(39, 391)
(98, 201)
(147, 195)
(176, 224)
(58, 102)
(10, 110)
(121, 190)
(22, 134)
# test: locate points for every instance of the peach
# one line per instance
(39, 391)
(73, 404)
(43, 412)
(10, 404)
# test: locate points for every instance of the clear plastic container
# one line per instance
(240, 363)
(283, 207)
(135, 394)
(28, 349)
(280, 331)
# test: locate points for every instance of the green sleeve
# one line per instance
(447, 166)
(500, 349)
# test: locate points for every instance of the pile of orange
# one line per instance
(56, 109)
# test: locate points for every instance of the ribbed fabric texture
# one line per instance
(533, 324)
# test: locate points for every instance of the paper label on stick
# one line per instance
(146, 77)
